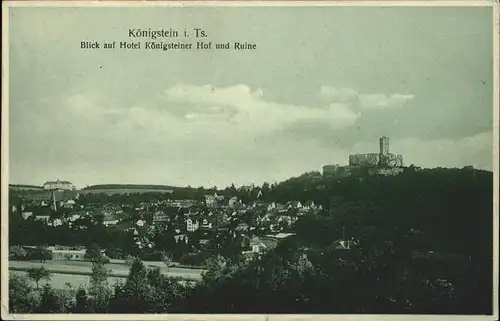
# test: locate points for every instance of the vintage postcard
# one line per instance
(250, 161)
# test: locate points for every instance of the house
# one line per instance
(249, 255)
(181, 238)
(110, 222)
(210, 200)
(25, 215)
(69, 203)
(280, 207)
(192, 225)
(62, 185)
(73, 217)
(206, 224)
(160, 217)
(57, 222)
(282, 235)
(233, 202)
(204, 242)
(344, 245)
(309, 205)
(242, 227)
(275, 227)
(293, 205)
(266, 218)
(257, 244)
(43, 218)
(285, 219)
(68, 254)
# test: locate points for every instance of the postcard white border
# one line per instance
(192, 317)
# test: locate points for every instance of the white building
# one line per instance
(25, 215)
(43, 218)
(64, 185)
(233, 202)
(210, 200)
(192, 225)
(110, 222)
(68, 254)
(206, 224)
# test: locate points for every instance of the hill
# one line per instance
(24, 187)
(423, 246)
(111, 189)
(127, 186)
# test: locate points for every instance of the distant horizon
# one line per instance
(225, 186)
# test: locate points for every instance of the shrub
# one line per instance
(17, 253)
(153, 256)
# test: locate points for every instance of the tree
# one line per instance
(51, 302)
(129, 260)
(167, 260)
(17, 253)
(37, 274)
(136, 295)
(21, 296)
(216, 267)
(93, 252)
(82, 304)
(137, 272)
(99, 287)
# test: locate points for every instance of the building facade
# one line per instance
(210, 200)
(64, 185)
(192, 225)
(371, 159)
(384, 145)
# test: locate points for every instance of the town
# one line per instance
(256, 224)
(184, 225)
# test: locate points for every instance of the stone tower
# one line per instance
(384, 146)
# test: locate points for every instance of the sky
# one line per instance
(322, 83)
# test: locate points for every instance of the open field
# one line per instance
(84, 268)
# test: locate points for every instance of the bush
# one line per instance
(114, 253)
(22, 298)
(17, 253)
(195, 259)
(153, 256)
(39, 254)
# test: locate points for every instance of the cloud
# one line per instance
(183, 115)
(339, 94)
(365, 101)
(381, 101)
(244, 110)
(206, 135)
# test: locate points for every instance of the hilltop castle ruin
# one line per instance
(381, 163)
